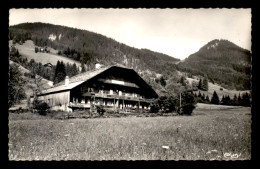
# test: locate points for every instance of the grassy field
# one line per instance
(216, 87)
(27, 50)
(216, 134)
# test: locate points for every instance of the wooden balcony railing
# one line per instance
(79, 105)
(138, 98)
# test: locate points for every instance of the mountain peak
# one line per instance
(223, 61)
(221, 44)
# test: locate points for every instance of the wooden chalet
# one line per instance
(114, 87)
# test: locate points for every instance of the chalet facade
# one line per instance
(114, 87)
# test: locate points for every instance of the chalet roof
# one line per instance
(76, 80)
(85, 76)
(61, 87)
(82, 77)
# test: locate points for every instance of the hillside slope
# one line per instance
(89, 47)
(27, 50)
(216, 87)
(223, 62)
(45, 84)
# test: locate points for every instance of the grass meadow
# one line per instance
(27, 50)
(216, 87)
(209, 134)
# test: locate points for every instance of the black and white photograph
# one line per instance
(106, 84)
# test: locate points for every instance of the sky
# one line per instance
(175, 32)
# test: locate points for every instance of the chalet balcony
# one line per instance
(88, 106)
(79, 105)
(121, 97)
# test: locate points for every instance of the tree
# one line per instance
(83, 69)
(40, 106)
(68, 51)
(239, 100)
(207, 99)
(100, 110)
(199, 98)
(200, 85)
(16, 85)
(225, 100)
(187, 103)
(68, 69)
(60, 72)
(203, 97)
(228, 100)
(13, 51)
(199, 95)
(17, 54)
(164, 103)
(74, 70)
(205, 85)
(194, 85)
(245, 100)
(154, 106)
(222, 100)
(215, 98)
(37, 85)
(162, 81)
(235, 101)
(182, 81)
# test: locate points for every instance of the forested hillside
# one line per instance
(89, 47)
(223, 62)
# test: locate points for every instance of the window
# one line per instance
(111, 92)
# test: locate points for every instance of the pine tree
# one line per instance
(200, 85)
(207, 99)
(222, 102)
(203, 97)
(228, 100)
(245, 100)
(74, 69)
(60, 72)
(68, 69)
(68, 51)
(57, 67)
(199, 95)
(17, 54)
(205, 85)
(239, 100)
(215, 98)
(162, 81)
(235, 101)
(182, 81)
(83, 69)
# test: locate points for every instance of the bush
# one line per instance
(100, 110)
(154, 107)
(186, 109)
(40, 106)
(27, 74)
